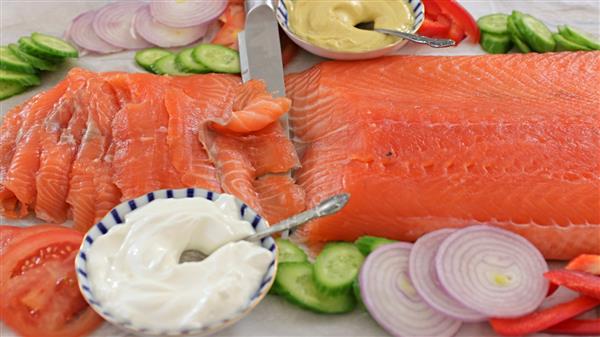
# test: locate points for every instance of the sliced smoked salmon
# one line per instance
(423, 143)
(279, 197)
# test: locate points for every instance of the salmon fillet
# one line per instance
(423, 143)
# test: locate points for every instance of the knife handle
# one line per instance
(251, 4)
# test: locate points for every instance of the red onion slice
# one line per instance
(164, 36)
(492, 271)
(114, 24)
(182, 13)
(425, 280)
(82, 33)
(392, 301)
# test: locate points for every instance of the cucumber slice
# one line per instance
(54, 46)
(289, 252)
(9, 89)
(19, 78)
(536, 34)
(166, 66)
(356, 292)
(295, 281)
(35, 61)
(366, 244)
(563, 44)
(495, 44)
(337, 266)
(218, 58)
(27, 45)
(11, 61)
(146, 58)
(494, 23)
(186, 61)
(579, 37)
(520, 44)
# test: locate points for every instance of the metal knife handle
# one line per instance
(251, 4)
(327, 207)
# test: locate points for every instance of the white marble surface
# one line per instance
(273, 317)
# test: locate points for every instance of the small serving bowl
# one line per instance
(282, 17)
(117, 216)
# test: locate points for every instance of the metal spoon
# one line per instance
(327, 207)
(435, 43)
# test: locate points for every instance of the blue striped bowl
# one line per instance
(282, 17)
(116, 217)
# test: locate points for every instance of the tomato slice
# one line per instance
(38, 285)
(7, 233)
(13, 234)
(234, 19)
(460, 17)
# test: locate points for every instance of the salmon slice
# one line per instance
(423, 143)
(279, 197)
(108, 195)
(62, 134)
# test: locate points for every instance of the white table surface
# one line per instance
(274, 316)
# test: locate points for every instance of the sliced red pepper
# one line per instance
(584, 283)
(543, 319)
(438, 28)
(579, 327)
(587, 263)
(551, 289)
(461, 17)
(432, 9)
(456, 33)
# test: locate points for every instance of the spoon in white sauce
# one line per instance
(328, 206)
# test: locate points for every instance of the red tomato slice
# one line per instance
(7, 233)
(38, 286)
(13, 234)
(460, 17)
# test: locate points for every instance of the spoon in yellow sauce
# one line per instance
(432, 42)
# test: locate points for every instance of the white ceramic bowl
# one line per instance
(116, 217)
(282, 17)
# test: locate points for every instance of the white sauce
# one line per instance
(134, 269)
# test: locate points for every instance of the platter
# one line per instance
(274, 316)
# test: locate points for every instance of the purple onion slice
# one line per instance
(82, 34)
(162, 35)
(114, 24)
(392, 301)
(492, 271)
(180, 14)
(425, 280)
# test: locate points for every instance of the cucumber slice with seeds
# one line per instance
(494, 23)
(54, 46)
(296, 282)
(35, 61)
(562, 44)
(337, 266)
(218, 58)
(366, 244)
(9, 89)
(289, 252)
(536, 34)
(19, 78)
(495, 44)
(520, 44)
(147, 57)
(166, 65)
(27, 45)
(186, 61)
(11, 61)
(511, 25)
(579, 37)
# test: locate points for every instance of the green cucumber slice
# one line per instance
(366, 244)
(337, 266)
(35, 61)
(54, 46)
(218, 58)
(520, 44)
(356, 292)
(185, 61)
(11, 61)
(295, 282)
(536, 34)
(579, 37)
(495, 44)
(289, 252)
(494, 23)
(166, 66)
(19, 78)
(147, 57)
(563, 44)
(9, 89)
(512, 26)
(27, 45)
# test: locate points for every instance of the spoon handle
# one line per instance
(326, 207)
(435, 43)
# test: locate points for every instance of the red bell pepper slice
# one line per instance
(543, 319)
(456, 33)
(579, 327)
(461, 17)
(584, 283)
(432, 10)
(438, 28)
(587, 263)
